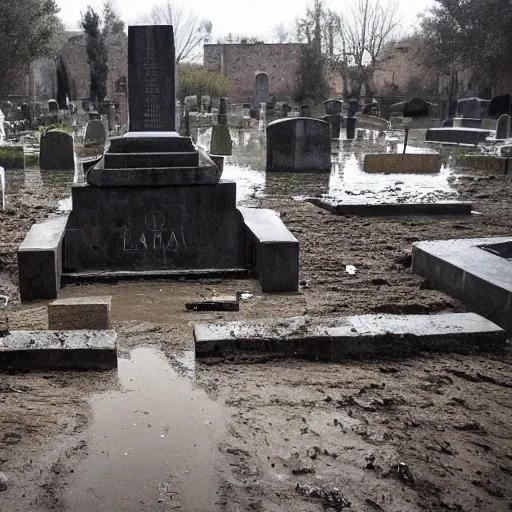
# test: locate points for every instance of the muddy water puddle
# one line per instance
(152, 444)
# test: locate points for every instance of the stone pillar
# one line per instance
(151, 78)
(222, 117)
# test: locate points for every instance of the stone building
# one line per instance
(242, 62)
(67, 73)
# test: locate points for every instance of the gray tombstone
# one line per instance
(503, 127)
(151, 78)
(333, 106)
(53, 106)
(95, 131)
(191, 103)
(300, 144)
(261, 89)
(56, 151)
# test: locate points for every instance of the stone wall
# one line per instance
(70, 66)
(241, 62)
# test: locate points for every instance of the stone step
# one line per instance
(338, 339)
(166, 144)
(154, 177)
(58, 350)
(151, 160)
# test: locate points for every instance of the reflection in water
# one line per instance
(347, 181)
(152, 445)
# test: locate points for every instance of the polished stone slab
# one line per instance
(58, 350)
(337, 339)
(151, 78)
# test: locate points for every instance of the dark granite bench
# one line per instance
(40, 260)
(272, 249)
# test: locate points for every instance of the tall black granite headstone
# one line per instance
(151, 78)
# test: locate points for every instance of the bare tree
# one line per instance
(364, 34)
(189, 31)
(281, 33)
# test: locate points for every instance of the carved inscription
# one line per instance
(157, 236)
(153, 118)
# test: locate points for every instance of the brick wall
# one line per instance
(241, 62)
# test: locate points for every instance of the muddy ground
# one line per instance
(349, 426)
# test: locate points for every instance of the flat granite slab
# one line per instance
(477, 271)
(337, 339)
(390, 209)
(58, 350)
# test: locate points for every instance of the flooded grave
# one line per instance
(152, 445)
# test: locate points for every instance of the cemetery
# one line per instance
(250, 298)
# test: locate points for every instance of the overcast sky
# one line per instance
(247, 17)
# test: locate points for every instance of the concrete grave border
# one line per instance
(462, 269)
(338, 339)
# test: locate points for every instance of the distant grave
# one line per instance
(299, 144)
(56, 151)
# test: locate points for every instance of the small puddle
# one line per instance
(152, 445)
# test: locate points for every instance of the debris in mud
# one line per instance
(4, 300)
(244, 295)
(213, 305)
(332, 497)
(402, 471)
(4, 482)
(350, 269)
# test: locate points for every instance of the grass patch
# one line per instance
(12, 157)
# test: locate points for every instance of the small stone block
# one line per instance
(275, 249)
(78, 313)
(40, 260)
(402, 164)
(54, 350)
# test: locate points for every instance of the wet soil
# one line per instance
(429, 433)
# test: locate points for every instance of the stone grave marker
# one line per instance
(95, 131)
(151, 78)
(299, 145)
(53, 106)
(503, 127)
(261, 89)
(56, 151)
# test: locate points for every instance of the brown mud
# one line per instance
(430, 433)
